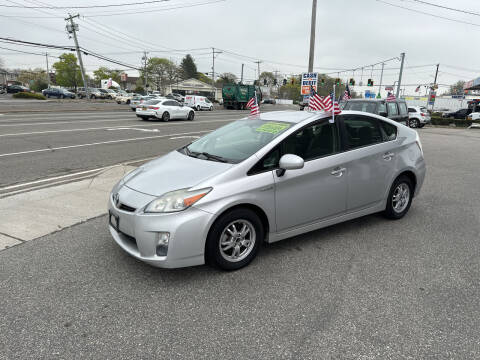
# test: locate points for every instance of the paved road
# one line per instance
(367, 289)
(38, 145)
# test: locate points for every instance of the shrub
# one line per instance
(28, 95)
(436, 120)
(462, 123)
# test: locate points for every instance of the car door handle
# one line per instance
(388, 156)
(338, 172)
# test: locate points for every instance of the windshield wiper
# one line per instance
(214, 157)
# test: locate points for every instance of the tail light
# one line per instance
(154, 107)
(423, 114)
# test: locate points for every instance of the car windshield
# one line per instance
(364, 106)
(236, 141)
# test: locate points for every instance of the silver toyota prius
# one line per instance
(219, 198)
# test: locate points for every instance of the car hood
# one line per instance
(171, 172)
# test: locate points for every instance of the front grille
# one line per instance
(126, 208)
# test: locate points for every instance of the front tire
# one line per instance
(191, 116)
(198, 108)
(234, 239)
(399, 198)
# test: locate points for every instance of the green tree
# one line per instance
(204, 78)
(266, 75)
(226, 78)
(457, 88)
(161, 72)
(291, 90)
(188, 67)
(67, 71)
(103, 73)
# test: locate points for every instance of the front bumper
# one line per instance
(137, 232)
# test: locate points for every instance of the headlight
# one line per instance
(176, 200)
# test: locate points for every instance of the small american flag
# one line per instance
(347, 95)
(315, 102)
(391, 97)
(253, 105)
(417, 89)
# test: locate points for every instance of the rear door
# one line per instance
(393, 112)
(403, 113)
(370, 145)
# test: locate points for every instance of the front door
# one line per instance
(319, 190)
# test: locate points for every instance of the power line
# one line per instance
(428, 14)
(84, 7)
(448, 8)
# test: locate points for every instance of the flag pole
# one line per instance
(333, 108)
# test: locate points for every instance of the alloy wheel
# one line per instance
(237, 240)
(401, 197)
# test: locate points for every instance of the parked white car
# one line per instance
(418, 116)
(198, 102)
(123, 97)
(164, 109)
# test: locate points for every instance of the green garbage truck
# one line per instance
(236, 96)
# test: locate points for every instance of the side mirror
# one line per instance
(290, 162)
(383, 113)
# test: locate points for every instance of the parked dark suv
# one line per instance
(396, 110)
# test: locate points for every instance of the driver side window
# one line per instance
(312, 142)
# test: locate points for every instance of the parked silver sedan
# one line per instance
(219, 198)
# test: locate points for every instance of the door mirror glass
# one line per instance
(291, 162)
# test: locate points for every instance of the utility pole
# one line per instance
(48, 73)
(436, 75)
(241, 77)
(381, 79)
(312, 36)
(213, 64)
(402, 55)
(72, 28)
(145, 58)
(258, 68)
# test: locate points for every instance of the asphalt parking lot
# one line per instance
(369, 288)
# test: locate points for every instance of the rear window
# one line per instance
(152, 102)
(364, 106)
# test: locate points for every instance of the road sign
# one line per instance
(309, 80)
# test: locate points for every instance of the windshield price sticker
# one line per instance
(272, 127)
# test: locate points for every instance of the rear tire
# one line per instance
(191, 116)
(127, 102)
(198, 108)
(234, 239)
(399, 198)
(414, 123)
(166, 116)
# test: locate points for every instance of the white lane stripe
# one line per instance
(74, 175)
(100, 143)
(95, 121)
(127, 127)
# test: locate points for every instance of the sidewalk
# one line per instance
(27, 216)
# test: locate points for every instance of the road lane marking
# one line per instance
(100, 143)
(132, 128)
(106, 127)
(85, 121)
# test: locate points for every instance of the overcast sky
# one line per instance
(350, 34)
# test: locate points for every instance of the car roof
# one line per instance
(292, 116)
(372, 100)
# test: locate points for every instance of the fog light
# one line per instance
(162, 243)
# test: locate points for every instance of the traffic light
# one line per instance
(370, 82)
(352, 82)
(284, 82)
(337, 81)
(264, 82)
